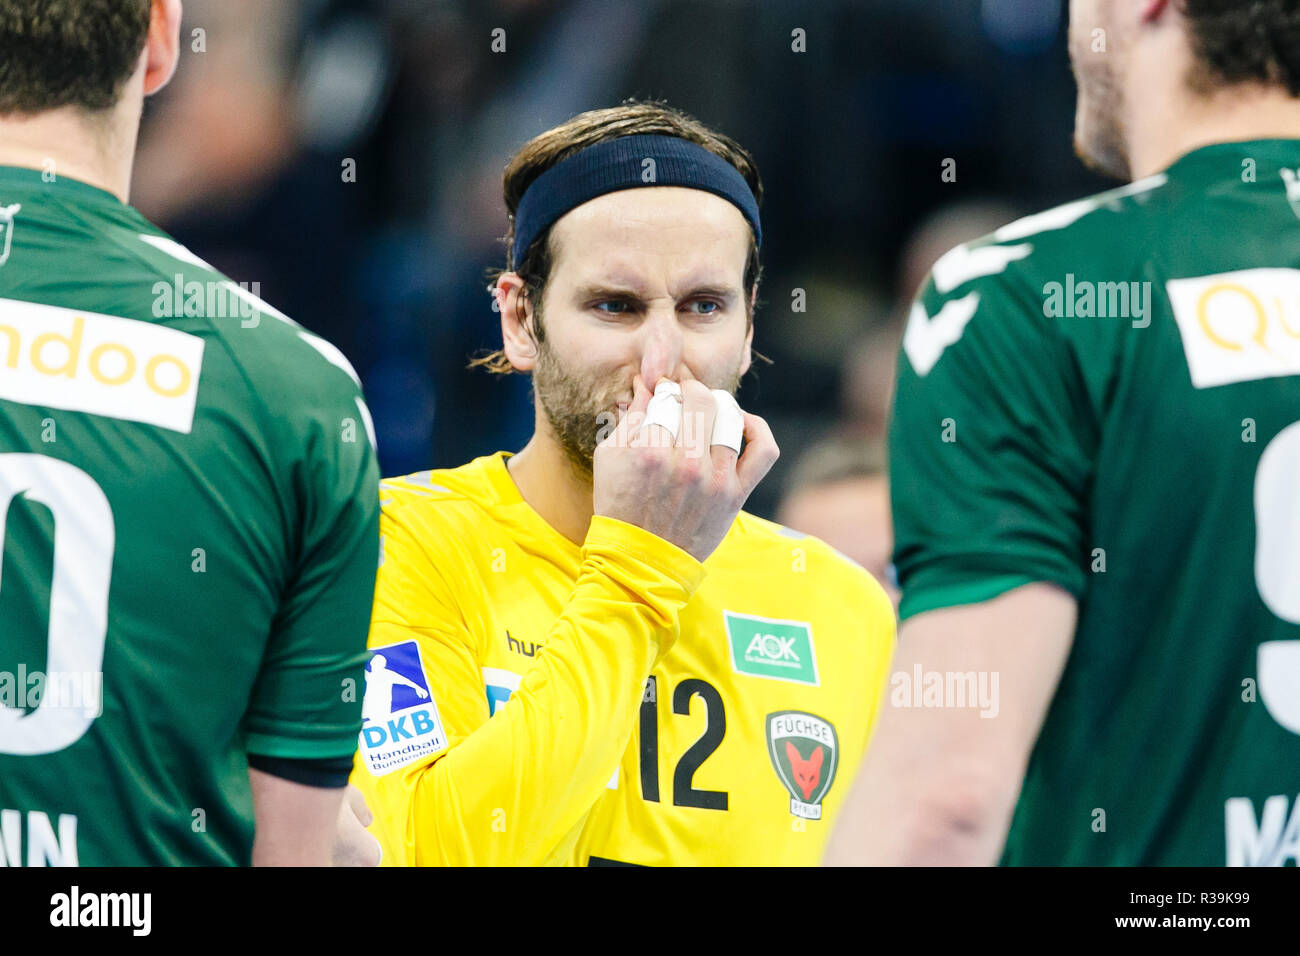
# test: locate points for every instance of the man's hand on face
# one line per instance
(680, 487)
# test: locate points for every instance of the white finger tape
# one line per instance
(729, 422)
(665, 408)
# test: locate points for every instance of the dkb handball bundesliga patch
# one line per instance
(399, 719)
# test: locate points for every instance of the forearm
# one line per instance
(510, 791)
(922, 822)
(295, 823)
(939, 784)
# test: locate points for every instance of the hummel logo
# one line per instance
(527, 648)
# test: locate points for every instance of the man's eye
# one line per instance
(612, 307)
(706, 307)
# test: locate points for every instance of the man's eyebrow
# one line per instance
(614, 290)
(607, 290)
(727, 292)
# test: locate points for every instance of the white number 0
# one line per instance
(83, 563)
(1277, 571)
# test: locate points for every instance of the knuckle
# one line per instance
(690, 470)
(648, 458)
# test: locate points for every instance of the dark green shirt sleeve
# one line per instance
(307, 700)
(988, 467)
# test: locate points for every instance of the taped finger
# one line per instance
(729, 422)
(665, 409)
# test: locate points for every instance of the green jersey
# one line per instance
(1106, 397)
(189, 520)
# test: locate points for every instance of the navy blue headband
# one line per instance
(616, 164)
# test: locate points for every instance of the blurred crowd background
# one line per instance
(248, 158)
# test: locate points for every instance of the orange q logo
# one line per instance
(1234, 325)
(1248, 298)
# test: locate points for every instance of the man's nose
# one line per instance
(661, 349)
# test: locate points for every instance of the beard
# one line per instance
(581, 406)
(1099, 136)
(1099, 139)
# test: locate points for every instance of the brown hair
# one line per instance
(1237, 41)
(542, 152)
(56, 53)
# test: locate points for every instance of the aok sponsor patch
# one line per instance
(400, 722)
(805, 753)
(1239, 326)
(86, 362)
(768, 647)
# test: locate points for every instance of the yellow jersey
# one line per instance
(534, 701)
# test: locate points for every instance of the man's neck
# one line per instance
(1238, 114)
(553, 486)
(67, 143)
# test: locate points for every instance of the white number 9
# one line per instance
(1277, 571)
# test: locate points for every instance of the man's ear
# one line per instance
(162, 49)
(517, 314)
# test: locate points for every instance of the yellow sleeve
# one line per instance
(512, 790)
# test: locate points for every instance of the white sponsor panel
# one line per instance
(1239, 326)
(100, 364)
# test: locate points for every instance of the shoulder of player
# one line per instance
(303, 382)
(183, 287)
(283, 362)
(766, 540)
(1020, 257)
(433, 506)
